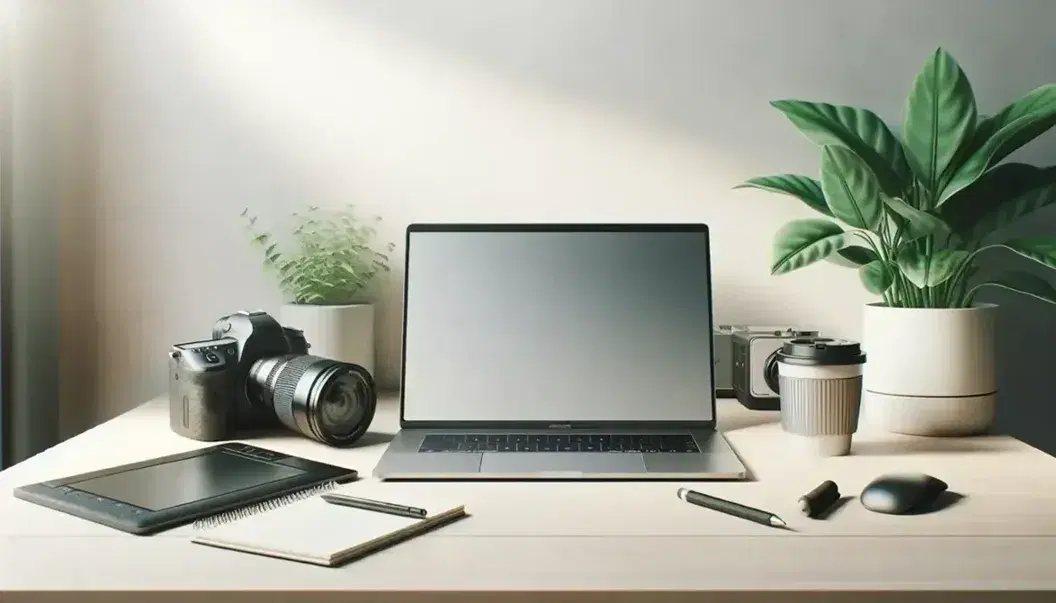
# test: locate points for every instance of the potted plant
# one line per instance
(324, 268)
(913, 214)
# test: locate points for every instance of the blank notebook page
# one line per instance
(315, 531)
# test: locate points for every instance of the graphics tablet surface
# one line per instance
(166, 492)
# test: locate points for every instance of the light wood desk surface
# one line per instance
(561, 539)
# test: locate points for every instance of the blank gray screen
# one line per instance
(180, 482)
(558, 326)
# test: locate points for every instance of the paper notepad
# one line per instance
(312, 530)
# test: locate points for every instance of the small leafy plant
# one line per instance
(918, 210)
(329, 258)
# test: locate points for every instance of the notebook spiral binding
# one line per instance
(261, 507)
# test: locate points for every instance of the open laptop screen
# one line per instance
(557, 324)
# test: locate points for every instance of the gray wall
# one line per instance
(475, 110)
(48, 169)
(6, 406)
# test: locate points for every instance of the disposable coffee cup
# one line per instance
(819, 380)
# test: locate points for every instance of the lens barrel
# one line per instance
(770, 373)
(326, 400)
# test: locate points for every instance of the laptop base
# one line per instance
(404, 460)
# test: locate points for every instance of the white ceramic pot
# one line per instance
(930, 372)
(344, 333)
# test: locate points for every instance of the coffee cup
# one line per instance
(819, 380)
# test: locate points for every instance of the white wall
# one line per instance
(466, 110)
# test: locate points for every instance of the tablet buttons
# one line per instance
(268, 455)
(257, 453)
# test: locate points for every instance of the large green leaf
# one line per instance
(1040, 249)
(851, 189)
(1009, 210)
(807, 190)
(1020, 282)
(803, 242)
(1037, 100)
(929, 270)
(997, 186)
(860, 130)
(853, 256)
(914, 223)
(939, 118)
(1013, 127)
(876, 276)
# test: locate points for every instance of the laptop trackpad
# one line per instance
(561, 464)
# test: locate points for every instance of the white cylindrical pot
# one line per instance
(931, 371)
(344, 333)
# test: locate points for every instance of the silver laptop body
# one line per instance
(543, 351)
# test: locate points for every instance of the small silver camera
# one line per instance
(754, 349)
(723, 359)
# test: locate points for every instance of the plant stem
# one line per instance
(963, 303)
(919, 295)
(958, 282)
(907, 294)
(929, 293)
(879, 250)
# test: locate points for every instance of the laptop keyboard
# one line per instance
(514, 442)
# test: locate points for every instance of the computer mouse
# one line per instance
(898, 494)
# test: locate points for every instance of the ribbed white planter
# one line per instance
(344, 333)
(930, 372)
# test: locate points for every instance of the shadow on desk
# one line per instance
(749, 419)
(372, 438)
(914, 445)
(945, 500)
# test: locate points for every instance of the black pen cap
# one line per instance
(818, 500)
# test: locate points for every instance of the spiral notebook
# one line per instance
(307, 529)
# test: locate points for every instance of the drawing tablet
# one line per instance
(162, 493)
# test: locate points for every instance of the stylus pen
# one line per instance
(730, 508)
(373, 505)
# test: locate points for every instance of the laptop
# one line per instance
(571, 351)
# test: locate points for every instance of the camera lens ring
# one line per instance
(299, 387)
(340, 375)
(770, 373)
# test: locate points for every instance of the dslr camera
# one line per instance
(255, 374)
(754, 351)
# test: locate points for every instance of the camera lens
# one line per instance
(326, 400)
(770, 373)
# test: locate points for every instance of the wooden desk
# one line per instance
(560, 541)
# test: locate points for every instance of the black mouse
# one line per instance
(897, 494)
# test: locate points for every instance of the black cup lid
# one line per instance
(821, 351)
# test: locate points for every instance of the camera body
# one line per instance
(206, 400)
(256, 374)
(754, 350)
(201, 383)
(723, 359)
(258, 336)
